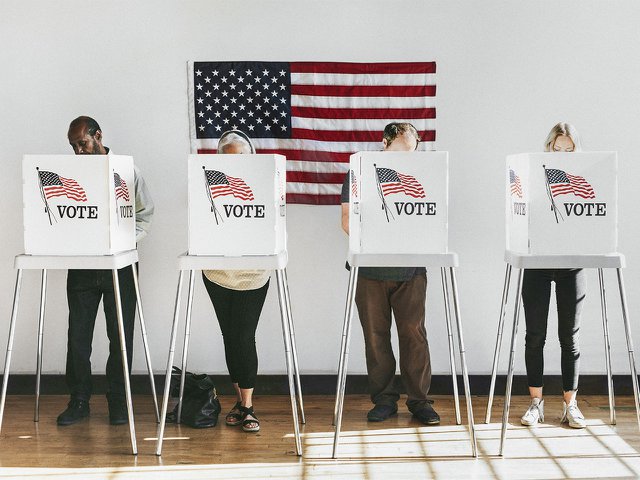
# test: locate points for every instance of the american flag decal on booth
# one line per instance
(395, 182)
(316, 114)
(54, 185)
(221, 184)
(354, 183)
(561, 183)
(514, 182)
(120, 188)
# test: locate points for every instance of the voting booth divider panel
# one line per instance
(399, 199)
(561, 203)
(237, 204)
(72, 205)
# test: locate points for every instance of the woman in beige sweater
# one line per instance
(238, 297)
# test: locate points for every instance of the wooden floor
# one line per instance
(397, 448)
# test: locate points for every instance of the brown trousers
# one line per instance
(376, 299)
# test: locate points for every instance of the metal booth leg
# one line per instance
(496, 353)
(145, 341)
(343, 345)
(286, 334)
(12, 331)
(627, 330)
(167, 380)
(294, 348)
(514, 333)
(607, 348)
(344, 358)
(43, 300)
(185, 346)
(452, 360)
(463, 361)
(125, 362)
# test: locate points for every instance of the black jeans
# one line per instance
(238, 312)
(571, 287)
(85, 289)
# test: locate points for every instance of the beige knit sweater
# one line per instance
(238, 279)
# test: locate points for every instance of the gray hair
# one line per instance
(235, 136)
(565, 129)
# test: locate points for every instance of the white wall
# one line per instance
(507, 71)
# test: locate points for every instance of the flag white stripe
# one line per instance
(358, 79)
(314, 188)
(314, 145)
(362, 102)
(355, 124)
(319, 167)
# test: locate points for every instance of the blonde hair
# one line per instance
(560, 129)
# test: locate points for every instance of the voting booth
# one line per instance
(398, 217)
(561, 213)
(561, 203)
(237, 221)
(237, 204)
(78, 204)
(79, 213)
(399, 199)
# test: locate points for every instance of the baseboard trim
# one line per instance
(21, 384)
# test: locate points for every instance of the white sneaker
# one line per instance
(573, 416)
(534, 414)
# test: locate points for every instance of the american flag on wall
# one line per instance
(120, 187)
(54, 185)
(315, 113)
(514, 182)
(221, 184)
(395, 182)
(561, 183)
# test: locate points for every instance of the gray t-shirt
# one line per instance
(393, 274)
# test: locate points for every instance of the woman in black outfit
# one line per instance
(238, 297)
(571, 286)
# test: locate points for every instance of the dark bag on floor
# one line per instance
(200, 404)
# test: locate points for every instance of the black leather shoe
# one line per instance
(380, 413)
(427, 415)
(76, 411)
(117, 411)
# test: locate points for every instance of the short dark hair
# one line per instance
(90, 123)
(393, 129)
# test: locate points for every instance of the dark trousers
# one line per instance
(376, 299)
(571, 287)
(238, 312)
(85, 289)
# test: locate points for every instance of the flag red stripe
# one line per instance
(350, 136)
(347, 67)
(309, 199)
(314, 177)
(308, 155)
(388, 188)
(561, 189)
(50, 193)
(365, 90)
(376, 113)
